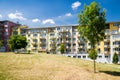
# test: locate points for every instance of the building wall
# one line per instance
(68, 35)
(6, 27)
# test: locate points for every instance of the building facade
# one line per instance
(50, 38)
(6, 28)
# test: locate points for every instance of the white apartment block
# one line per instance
(50, 38)
(41, 39)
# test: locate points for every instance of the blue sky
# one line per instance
(40, 13)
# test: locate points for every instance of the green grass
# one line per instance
(53, 67)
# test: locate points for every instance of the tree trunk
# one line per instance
(93, 46)
(94, 66)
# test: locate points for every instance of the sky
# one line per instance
(46, 13)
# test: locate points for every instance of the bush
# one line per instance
(29, 51)
(115, 58)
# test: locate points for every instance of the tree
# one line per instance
(17, 42)
(53, 45)
(92, 25)
(62, 48)
(115, 58)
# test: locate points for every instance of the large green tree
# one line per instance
(92, 25)
(62, 48)
(17, 42)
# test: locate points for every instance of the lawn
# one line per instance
(53, 67)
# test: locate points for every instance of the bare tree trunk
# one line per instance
(93, 46)
(94, 66)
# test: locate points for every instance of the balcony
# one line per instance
(117, 40)
(106, 52)
(117, 46)
(41, 37)
(33, 47)
(34, 37)
(52, 37)
(68, 47)
(107, 46)
(63, 31)
(107, 40)
(33, 42)
(64, 41)
(52, 48)
(68, 41)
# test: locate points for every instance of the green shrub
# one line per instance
(115, 58)
(29, 51)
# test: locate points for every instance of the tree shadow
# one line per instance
(113, 73)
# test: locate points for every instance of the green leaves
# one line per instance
(62, 48)
(92, 23)
(17, 42)
(92, 54)
(115, 58)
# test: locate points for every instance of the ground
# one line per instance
(53, 67)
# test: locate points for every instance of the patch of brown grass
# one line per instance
(52, 67)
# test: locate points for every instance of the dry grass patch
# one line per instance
(52, 67)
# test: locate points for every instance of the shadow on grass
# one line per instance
(24, 53)
(113, 73)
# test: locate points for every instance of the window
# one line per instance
(34, 34)
(79, 56)
(115, 24)
(28, 35)
(74, 33)
(35, 40)
(74, 44)
(6, 33)
(74, 39)
(84, 56)
(58, 28)
(74, 56)
(106, 56)
(100, 56)
(52, 34)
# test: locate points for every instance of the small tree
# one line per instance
(17, 42)
(62, 48)
(115, 58)
(92, 25)
(53, 45)
(93, 56)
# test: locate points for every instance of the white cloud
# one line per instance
(68, 14)
(75, 5)
(35, 20)
(16, 15)
(50, 21)
(1, 16)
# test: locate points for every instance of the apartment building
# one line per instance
(5, 33)
(50, 38)
(19, 30)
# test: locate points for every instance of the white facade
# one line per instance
(41, 40)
